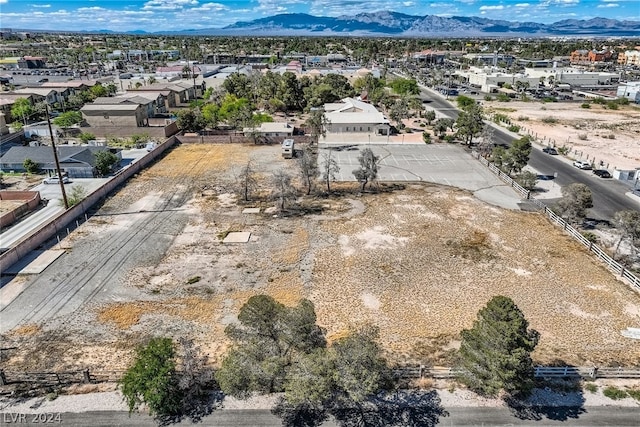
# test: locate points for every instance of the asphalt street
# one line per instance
(608, 194)
(455, 416)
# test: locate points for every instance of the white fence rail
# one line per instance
(592, 372)
(611, 264)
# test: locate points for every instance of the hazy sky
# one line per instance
(160, 15)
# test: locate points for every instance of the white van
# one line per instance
(287, 148)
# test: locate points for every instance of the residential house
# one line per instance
(51, 95)
(354, 116)
(270, 129)
(122, 115)
(8, 99)
(76, 161)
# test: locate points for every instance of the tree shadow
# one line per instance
(195, 409)
(406, 408)
(549, 403)
(305, 415)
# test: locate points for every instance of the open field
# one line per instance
(585, 131)
(418, 261)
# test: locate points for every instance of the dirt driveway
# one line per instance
(419, 262)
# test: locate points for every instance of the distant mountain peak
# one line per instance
(389, 23)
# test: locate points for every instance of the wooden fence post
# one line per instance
(86, 378)
(3, 378)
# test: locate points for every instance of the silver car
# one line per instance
(55, 180)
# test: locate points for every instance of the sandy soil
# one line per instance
(419, 263)
(585, 131)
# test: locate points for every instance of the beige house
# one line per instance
(123, 115)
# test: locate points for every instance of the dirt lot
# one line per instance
(586, 131)
(419, 262)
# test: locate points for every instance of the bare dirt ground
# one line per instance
(418, 262)
(587, 132)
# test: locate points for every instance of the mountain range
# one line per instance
(399, 24)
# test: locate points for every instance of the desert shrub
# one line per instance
(514, 128)
(634, 394)
(611, 105)
(582, 137)
(563, 150)
(590, 236)
(614, 393)
(585, 105)
(523, 118)
(503, 97)
(611, 136)
(488, 98)
(591, 387)
(194, 279)
(550, 120)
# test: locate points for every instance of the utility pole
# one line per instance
(55, 156)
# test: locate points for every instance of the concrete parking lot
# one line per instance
(447, 164)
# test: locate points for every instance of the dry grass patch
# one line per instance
(25, 330)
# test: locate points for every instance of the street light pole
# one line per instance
(55, 156)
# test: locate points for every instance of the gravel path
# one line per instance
(112, 401)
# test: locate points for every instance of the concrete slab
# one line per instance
(35, 262)
(251, 210)
(237, 237)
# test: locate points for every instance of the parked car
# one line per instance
(602, 173)
(55, 180)
(582, 164)
(550, 150)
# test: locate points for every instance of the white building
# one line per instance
(630, 90)
(353, 116)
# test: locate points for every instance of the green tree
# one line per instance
(22, 109)
(399, 111)
(317, 122)
(30, 166)
(495, 354)
(266, 342)
(98, 90)
(464, 101)
(403, 86)
(470, 123)
(190, 120)
(85, 137)
(105, 160)
(430, 116)
(368, 170)
(151, 379)
(210, 114)
(576, 199)
(517, 155)
(360, 369)
(238, 85)
(527, 180)
(68, 119)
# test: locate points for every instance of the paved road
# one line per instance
(591, 416)
(608, 195)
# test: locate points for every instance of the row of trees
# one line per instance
(280, 349)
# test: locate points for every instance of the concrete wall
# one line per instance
(50, 229)
(31, 202)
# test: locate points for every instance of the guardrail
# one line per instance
(600, 254)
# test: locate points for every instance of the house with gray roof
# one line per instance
(354, 116)
(76, 161)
